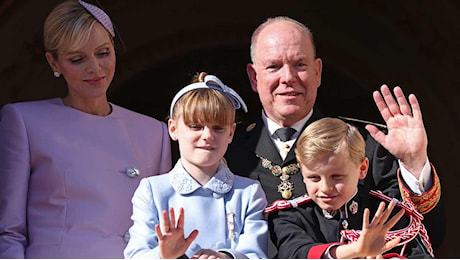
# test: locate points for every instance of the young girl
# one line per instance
(220, 215)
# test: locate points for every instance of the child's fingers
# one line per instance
(181, 219)
(164, 216)
(366, 218)
(158, 231)
(391, 244)
(191, 237)
(388, 211)
(172, 219)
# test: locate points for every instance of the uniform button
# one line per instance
(132, 172)
(127, 236)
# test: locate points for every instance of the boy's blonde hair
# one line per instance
(204, 105)
(329, 135)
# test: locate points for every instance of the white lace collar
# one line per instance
(183, 183)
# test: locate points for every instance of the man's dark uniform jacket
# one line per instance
(253, 140)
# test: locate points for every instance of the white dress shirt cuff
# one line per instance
(420, 185)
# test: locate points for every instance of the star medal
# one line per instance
(286, 186)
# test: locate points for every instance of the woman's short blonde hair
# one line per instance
(67, 28)
(204, 106)
(329, 135)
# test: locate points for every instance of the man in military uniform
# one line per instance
(286, 74)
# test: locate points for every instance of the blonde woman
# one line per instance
(69, 166)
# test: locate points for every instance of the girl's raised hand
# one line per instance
(171, 241)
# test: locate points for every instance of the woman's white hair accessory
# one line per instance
(99, 15)
(212, 82)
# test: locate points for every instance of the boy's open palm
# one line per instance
(371, 243)
(372, 240)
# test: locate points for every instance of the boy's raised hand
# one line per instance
(371, 242)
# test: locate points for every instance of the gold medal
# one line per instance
(285, 187)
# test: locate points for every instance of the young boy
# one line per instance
(333, 221)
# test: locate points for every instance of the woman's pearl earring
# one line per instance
(56, 74)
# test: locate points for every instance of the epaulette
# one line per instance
(286, 204)
(354, 120)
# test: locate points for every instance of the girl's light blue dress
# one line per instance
(227, 212)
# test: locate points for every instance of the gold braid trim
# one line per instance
(428, 200)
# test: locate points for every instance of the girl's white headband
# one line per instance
(211, 82)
